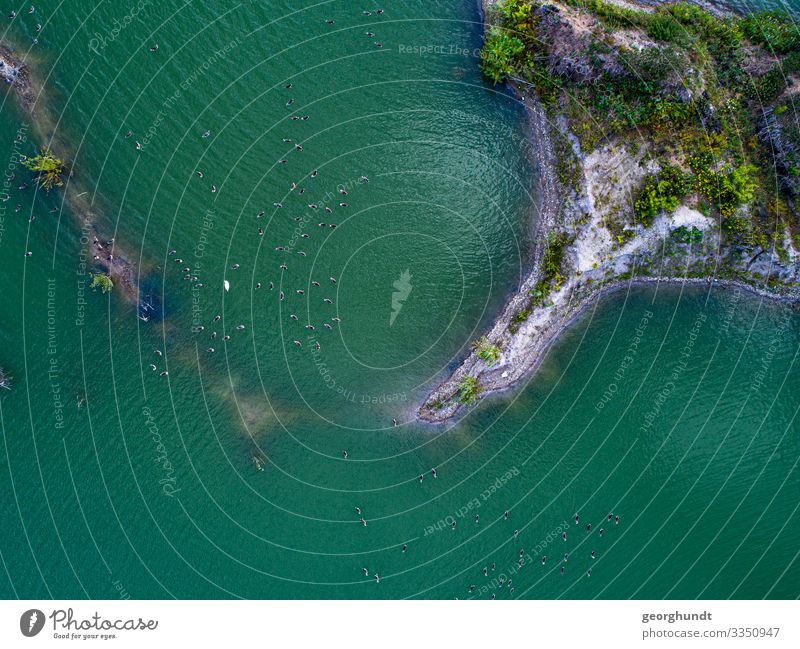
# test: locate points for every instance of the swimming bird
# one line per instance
(363, 522)
(433, 472)
(138, 146)
(327, 300)
(213, 189)
(358, 509)
(293, 316)
(217, 317)
(153, 367)
(298, 343)
(158, 352)
(154, 48)
(366, 572)
(164, 373)
(206, 134)
(128, 134)
(199, 173)
(333, 280)
(210, 350)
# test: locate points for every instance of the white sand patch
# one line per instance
(612, 176)
(689, 218)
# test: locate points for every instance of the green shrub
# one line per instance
(48, 167)
(662, 192)
(487, 352)
(775, 30)
(768, 86)
(468, 390)
(499, 53)
(101, 281)
(663, 27)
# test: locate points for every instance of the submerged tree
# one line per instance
(101, 281)
(48, 167)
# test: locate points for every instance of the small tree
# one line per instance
(48, 167)
(498, 55)
(101, 281)
(487, 352)
(468, 390)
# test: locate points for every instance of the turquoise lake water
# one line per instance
(118, 480)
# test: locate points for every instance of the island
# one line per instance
(667, 143)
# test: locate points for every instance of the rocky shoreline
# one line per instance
(595, 267)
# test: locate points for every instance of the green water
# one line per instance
(115, 479)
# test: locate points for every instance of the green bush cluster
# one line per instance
(683, 234)
(662, 192)
(775, 30)
(487, 352)
(552, 262)
(49, 169)
(768, 86)
(101, 281)
(498, 56)
(468, 390)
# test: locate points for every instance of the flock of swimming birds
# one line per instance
(287, 251)
(518, 559)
